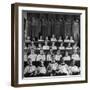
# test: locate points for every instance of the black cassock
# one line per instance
(44, 28)
(49, 28)
(33, 28)
(67, 26)
(29, 29)
(52, 26)
(38, 28)
(57, 28)
(76, 31)
(61, 28)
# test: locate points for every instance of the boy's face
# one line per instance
(77, 20)
(69, 44)
(73, 63)
(66, 53)
(33, 39)
(45, 43)
(28, 38)
(53, 36)
(53, 59)
(40, 37)
(75, 51)
(58, 52)
(71, 38)
(39, 45)
(53, 44)
(46, 38)
(42, 63)
(41, 51)
(51, 51)
(60, 38)
(32, 43)
(61, 44)
(30, 62)
(66, 37)
(32, 51)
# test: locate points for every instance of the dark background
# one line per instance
(48, 23)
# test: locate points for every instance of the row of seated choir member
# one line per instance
(48, 57)
(53, 46)
(53, 38)
(53, 68)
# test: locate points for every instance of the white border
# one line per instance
(51, 79)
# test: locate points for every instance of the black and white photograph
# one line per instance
(49, 44)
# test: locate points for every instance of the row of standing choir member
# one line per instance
(35, 27)
(52, 69)
(48, 57)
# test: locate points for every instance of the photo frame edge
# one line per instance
(14, 37)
